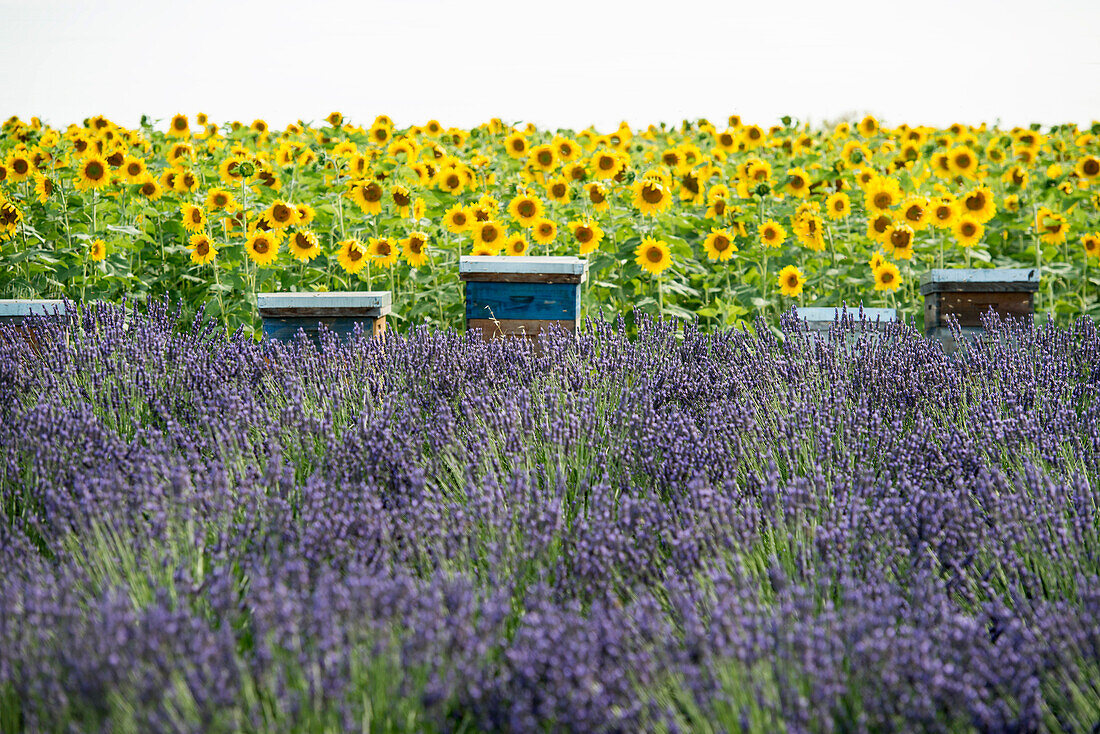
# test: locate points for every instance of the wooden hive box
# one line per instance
(284, 314)
(522, 296)
(966, 294)
(820, 319)
(17, 311)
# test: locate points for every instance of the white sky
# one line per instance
(559, 63)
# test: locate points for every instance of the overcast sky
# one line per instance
(560, 63)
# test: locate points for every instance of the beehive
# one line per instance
(967, 294)
(285, 314)
(522, 296)
(820, 319)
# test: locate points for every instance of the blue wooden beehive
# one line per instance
(285, 314)
(522, 296)
(17, 311)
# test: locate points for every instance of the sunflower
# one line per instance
(458, 219)
(978, 203)
(489, 234)
(575, 172)
(653, 255)
(882, 194)
(97, 250)
(791, 281)
(876, 259)
(544, 231)
(719, 245)
(194, 219)
(150, 189)
(607, 163)
(92, 173)
(543, 158)
(185, 181)
(868, 126)
(133, 169)
(810, 230)
(202, 249)
(218, 199)
(402, 199)
(383, 251)
(887, 277)
(587, 233)
(516, 244)
(281, 214)
(525, 209)
(916, 212)
(235, 169)
(899, 241)
(597, 195)
(516, 145)
(1052, 227)
(1016, 176)
(718, 207)
(43, 187)
(334, 119)
(1091, 243)
(414, 249)
(419, 208)
(558, 190)
(944, 212)
(452, 180)
(304, 245)
(838, 206)
(351, 255)
(772, 234)
(798, 182)
(1088, 167)
(262, 247)
(367, 195)
(968, 230)
(962, 161)
(650, 197)
(691, 187)
(10, 217)
(179, 127)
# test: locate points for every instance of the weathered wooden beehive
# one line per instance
(820, 319)
(285, 314)
(967, 294)
(522, 296)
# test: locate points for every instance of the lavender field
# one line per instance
(693, 532)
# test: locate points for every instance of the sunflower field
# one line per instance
(715, 221)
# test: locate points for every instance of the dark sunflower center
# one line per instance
(489, 234)
(1091, 167)
(754, 134)
(181, 124)
(220, 200)
(453, 181)
(558, 190)
(281, 213)
(576, 173)
(372, 192)
(202, 248)
(883, 200)
(654, 254)
(545, 158)
(301, 241)
(975, 203)
(583, 234)
(354, 255)
(133, 169)
(968, 229)
(261, 246)
(882, 224)
(400, 198)
(518, 145)
(459, 218)
(196, 216)
(383, 248)
(416, 245)
(797, 182)
(962, 160)
(838, 205)
(1018, 177)
(670, 159)
(719, 207)
(21, 166)
(792, 281)
(886, 277)
(914, 213)
(526, 208)
(691, 183)
(652, 194)
(596, 196)
(900, 238)
(725, 139)
(721, 244)
(606, 163)
(147, 189)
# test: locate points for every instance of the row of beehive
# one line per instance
(529, 295)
